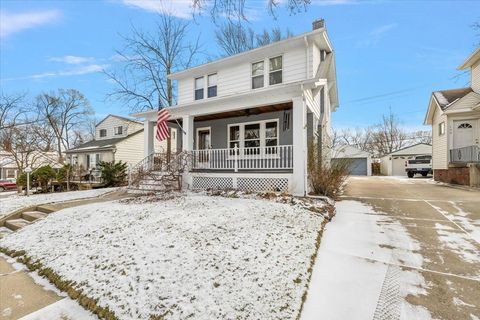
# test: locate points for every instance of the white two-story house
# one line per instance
(117, 139)
(455, 119)
(247, 119)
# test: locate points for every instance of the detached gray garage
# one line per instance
(359, 162)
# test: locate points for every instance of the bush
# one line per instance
(65, 174)
(22, 180)
(43, 176)
(114, 174)
(325, 177)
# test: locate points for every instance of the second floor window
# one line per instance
(118, 131)
(441, 128)
(103, 133)
(275, 70)
(212, 85)
(198, 88)
(257, 75)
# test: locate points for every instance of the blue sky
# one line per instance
(396, 51)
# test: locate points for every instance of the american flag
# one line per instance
(162, 128)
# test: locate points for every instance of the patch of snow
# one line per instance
(460, 302)
(195, 255)
(7, 312)
(460, 243)
(351, 271)
(18, 201)
(62, 309)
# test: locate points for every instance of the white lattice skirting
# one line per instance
(280, 184)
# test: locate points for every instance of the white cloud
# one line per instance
(178, 8)
(72, 59)
(11, 23)
(376, 35)
(77, 71)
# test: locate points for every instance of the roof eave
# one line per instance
(474, 57)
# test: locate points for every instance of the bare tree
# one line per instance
(66, 112)
(12, 110)
(476, 28)
(388, 136)
(148, 58)
(422, 136)
(234, 37)
(236, 9)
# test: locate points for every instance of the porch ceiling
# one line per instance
(245, 112)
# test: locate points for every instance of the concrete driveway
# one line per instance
(399, 248)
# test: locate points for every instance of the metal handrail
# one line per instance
(465, 154)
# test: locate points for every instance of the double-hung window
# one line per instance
(212, 85)
(275, 70)
(441, 128)
(103, 133)
(199, 88)
(257, 74)
(118, 130)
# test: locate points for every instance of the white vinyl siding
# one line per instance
(238, 78)
(111, 122)
(128, 150)
(439, 142)
(475, 77)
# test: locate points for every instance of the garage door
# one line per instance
(357, 166)
(398, 166)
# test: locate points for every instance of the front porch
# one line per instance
(257, 148)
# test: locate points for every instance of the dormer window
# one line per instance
(118, 130)
(257, 75)
(103, 133)
(275, 70)
(212, 85)
(198, 88)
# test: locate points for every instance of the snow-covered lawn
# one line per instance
(192, 256)
(18, 201)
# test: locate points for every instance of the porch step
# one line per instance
(33, 215)
(16, 224)
(4, 231)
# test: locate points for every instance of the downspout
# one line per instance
(306, 56)
(304, 139)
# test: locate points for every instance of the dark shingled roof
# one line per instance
(446, 97)
(101, 144)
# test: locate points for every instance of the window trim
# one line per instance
(115, 131)
(262, 137)
(281, 70)
(100, 133)
(252, 76)
(216, 85)
(195, 88)
(441, 128)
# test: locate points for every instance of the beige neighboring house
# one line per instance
(393, 164)
(117, 138)
(9, 169)
(359, 161)
(455, 119)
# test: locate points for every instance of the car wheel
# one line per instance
(424, 174)
(2, 189)
(410, 174)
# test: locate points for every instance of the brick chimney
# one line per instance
(318, 24)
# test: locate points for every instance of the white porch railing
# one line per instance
(465, 154)
(258, 158)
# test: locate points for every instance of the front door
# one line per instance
(203, 143)
(464, 133)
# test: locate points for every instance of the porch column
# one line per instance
(148, 147)
(299, 112)
(187, 136)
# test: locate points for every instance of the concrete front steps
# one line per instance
(156, 182)
(22, 218)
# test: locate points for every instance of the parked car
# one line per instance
(421, 164)
(7, 185)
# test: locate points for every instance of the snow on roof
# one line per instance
(419, 148)
(446, 97)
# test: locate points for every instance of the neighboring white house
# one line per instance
(268, 102)
(359, 161)
(116, 139)
(9, 167)
(455, 119)
(393, 164)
